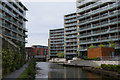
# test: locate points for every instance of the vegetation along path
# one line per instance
(17, 73)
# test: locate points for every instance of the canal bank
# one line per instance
(54, 70)
(103, 72)
(89, 66)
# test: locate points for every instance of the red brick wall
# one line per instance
(95, 52)
(41, 51)
(98, 52)
(106, 51)
(29, 51)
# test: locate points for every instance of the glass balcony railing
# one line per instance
(71, 28)
(74, 20)
(11, 6)
(71, 36)
(9, 12)
(102, 39)
(74, 24)
(71, 40)
(100, 17)
(98, 10)
(70, 17)
(72, 32)
(102, 24)
(99, 32)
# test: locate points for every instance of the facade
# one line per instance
(98, 23)
(30, 51)
(56, 42)
(70, 32)
(12, 22)
(40, 50)
(105, 52)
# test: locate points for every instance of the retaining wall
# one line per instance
(93, 63)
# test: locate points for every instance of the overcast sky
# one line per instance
(43, 16)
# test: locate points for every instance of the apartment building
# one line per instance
(70, 32)
(56, 42)
(13, 21)
(98, 22)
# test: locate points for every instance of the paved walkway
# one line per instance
(17, 73)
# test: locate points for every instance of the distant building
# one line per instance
(30, 51)
(40, 50)
(56, 42)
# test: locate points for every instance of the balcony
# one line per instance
(74, 16)
(99, 40)
(69, 21)
(82, 49)
(102, 24)
(101, 17)
(12, 7)
(95, 33)
(71, 40)
(73, 24)
(73, 36)
(83, 3)
(72, 49)
(71, 28)
(71, 44)
(70, 53)
(71, 32)
(98, 10)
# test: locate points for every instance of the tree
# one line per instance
(92, 46)
(77, 53)
(111, 44)
(101, 45)
(60, 55)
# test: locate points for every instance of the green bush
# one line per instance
(111, 67)
(103, 66)
(30, 71)
(118, 68)
(92, 46)
(60, 55)
(101, 45)
(86, 58)
(114, 67)
(11, 60)
(118, 71)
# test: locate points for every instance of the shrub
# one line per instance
(114, 67)
(111, 67)
(86, 58)
(60, 55)
(92, 46)
(103, 66)
(102, 45)
(118, 69)
(30, 71)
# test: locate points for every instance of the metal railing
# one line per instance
(110, 58)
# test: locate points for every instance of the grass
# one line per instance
(29, 72)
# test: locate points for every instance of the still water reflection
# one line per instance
(53, 70)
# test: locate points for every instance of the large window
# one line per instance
(38, 52)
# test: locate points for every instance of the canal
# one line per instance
(53, 70)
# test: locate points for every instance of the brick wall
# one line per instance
(98, 52)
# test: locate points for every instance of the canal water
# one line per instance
(53, 70)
